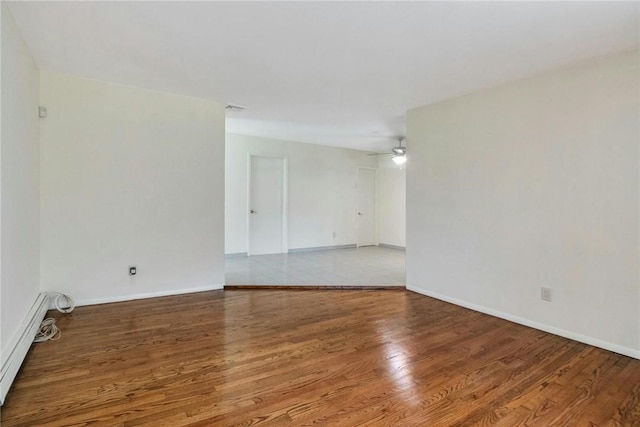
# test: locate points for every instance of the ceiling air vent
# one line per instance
(235, 108)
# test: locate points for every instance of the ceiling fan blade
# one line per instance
(399, 150)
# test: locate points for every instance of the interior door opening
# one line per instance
(267, 225)
(366, 216)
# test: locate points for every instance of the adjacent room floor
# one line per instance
(371, 265)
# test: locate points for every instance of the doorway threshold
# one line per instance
(315, 287)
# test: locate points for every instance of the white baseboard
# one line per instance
(533, 324)
(323, 248)
(18, 349)
(387, 245)
(121, 298)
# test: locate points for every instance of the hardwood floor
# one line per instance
(318, 357)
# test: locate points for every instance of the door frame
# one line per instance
(375, 204)
(285, 201)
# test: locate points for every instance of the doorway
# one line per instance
(366, 207)
(267, 205)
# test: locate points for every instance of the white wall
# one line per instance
(530, 184)
(129, 176)
(322, 191)
(391, 202)
(19, 168)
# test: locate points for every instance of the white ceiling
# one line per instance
(335, 73)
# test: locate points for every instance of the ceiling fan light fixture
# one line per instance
(398, 153)
(399, 159)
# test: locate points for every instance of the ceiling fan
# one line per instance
(399, 153)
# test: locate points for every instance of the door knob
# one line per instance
(253, 212)
(360, 213)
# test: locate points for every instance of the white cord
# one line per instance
(64, 303)
(48, 331)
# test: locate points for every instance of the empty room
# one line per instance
(320, 213)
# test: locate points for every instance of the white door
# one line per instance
(266, 205)
(366, 207)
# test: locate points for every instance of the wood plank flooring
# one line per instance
(318, 357)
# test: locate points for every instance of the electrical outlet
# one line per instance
(334, 234)
(545, 294)
(133, 270)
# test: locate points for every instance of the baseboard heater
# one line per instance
(18, 351)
